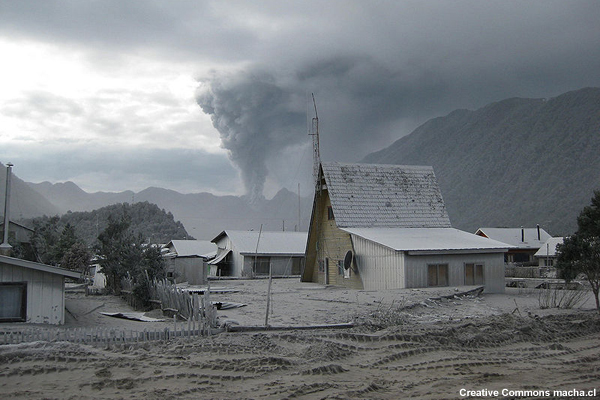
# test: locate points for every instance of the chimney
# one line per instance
(538, 229)
(522, 234)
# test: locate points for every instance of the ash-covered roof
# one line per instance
(269, 242)
(188, 248)
(390, 196)
(549, 248)
(428, 239)
(522, 238)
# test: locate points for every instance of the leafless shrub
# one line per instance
(557, 297)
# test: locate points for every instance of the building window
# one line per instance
(548, 262)
(261, 265)
(13, 302)
(437, 275)
(330, 213)
(474, 274)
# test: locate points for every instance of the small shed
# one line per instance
(525, 242)
(187, 260)
(386, 227)
(250, 254)
(32, 292)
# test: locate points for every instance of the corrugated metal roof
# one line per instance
(513, 236)
(288, 243)
(427, 239)
(187, 248)
(549, 248)
(219, 257)
(393, 196)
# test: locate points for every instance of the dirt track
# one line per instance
(431, 350)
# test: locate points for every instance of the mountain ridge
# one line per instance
(203, 214)
(515, 162)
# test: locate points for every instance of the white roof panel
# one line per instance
(427, 239)
(549, 248)
(186, 248)
(514, 236)
(270, 242)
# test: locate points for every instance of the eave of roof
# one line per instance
(39, 267)
(429, 240)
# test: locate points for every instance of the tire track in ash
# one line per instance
(401, 361)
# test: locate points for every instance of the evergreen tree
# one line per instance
(124, 254)
(77, 257)
(580, 252)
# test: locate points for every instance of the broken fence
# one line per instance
(193, 315)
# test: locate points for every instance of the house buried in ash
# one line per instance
(386, 227)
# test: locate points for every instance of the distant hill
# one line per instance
(204, 215)
(517, 162)
(68, 196)
(25, 201)
(153, 223)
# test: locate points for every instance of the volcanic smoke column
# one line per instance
(256, 119)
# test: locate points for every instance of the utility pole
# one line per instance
(5, 247)
(316, 152)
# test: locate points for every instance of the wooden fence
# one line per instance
(175, 301)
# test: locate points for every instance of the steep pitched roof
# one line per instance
(391, 196)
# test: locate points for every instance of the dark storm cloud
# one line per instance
(378, 69)
(183, 29)
(382, 80)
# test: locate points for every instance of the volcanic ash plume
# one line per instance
(256, 119)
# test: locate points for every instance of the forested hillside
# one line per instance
(154, 224)
(517, 162)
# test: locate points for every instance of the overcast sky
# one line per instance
(216, 95)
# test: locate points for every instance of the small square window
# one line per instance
(13, 302)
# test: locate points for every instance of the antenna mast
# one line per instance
(315, 134)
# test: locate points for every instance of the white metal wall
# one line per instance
(380, 267)
(45, 293)
(280, 265)
(416, 269)
(383, 268)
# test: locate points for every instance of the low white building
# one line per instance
(389, 258)
(524, 242)
(32, 292)
(187, 260)
(546, 255)
(248, 254)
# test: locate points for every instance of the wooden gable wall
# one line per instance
(327, 247)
